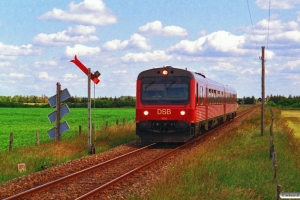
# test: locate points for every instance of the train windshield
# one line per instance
(165, 90)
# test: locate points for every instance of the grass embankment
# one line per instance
(53, 153)
(236, 165)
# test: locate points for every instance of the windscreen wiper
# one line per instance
(149, 84)
(170, 85)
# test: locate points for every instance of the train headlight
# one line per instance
(165, 72)
(146, 112)
(182, 112)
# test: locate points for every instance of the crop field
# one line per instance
(293, 119)
(24, 122)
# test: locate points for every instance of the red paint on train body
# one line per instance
(176, 105)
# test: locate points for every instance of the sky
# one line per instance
(222, 39)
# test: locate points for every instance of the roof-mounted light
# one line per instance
(165, 72)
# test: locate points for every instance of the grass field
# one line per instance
(235, 165)
(293, 119)
(24, 122)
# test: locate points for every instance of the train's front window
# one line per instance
(165, 90)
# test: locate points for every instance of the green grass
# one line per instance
(24, 122)
(235, 165)
(54, 153)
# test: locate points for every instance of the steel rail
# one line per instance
(73, 175)
(124, 176)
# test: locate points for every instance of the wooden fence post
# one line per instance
(271, 147)
(37, 137)
(124, 121)
(93, 128)
(274, 161)
(11, 141)
(278, 192)
(106, 125)
(80, 130)
(117, 122)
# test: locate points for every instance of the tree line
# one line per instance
(290, 102)
(19, 101)
(280, 101)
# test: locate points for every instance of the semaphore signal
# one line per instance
(94, 77)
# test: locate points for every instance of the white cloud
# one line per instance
(115, 45)
(82, 50)
(88, 12)
(5, 64)
(81, 30)
(277, 4)
(251, 71)
(46, 63)
(120, 72)
(278, 34)
(273, 26)
(79, 34)
(11, 52)
(292, 65)
(45, 77)
(17, 75)
(156, 56)
(156, 28)
(294, 79)
(69, 77)
(136, 41)
(219, 43)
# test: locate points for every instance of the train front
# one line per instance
(164, 111)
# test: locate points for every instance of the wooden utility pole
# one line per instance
(262, 90)
(57, 129)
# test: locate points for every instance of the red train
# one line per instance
(176, 105)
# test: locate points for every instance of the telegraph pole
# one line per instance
(262, 90)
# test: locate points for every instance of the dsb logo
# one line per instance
(164, 111)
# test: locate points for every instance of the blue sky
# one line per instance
(122, 38)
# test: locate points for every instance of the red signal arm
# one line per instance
(84, 69)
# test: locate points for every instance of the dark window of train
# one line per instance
(197, 95)
(215, 97)
(165, 90)
(201, 95)
(209, 96)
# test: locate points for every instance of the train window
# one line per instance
(165, 90)
(201, 95)
(197, 95)
(215, 97)
(210, 97)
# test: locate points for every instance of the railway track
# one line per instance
(91, 181)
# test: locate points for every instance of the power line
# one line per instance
(269, 23)
(253, 32)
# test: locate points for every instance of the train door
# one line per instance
(207, 102)
(224, 101)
